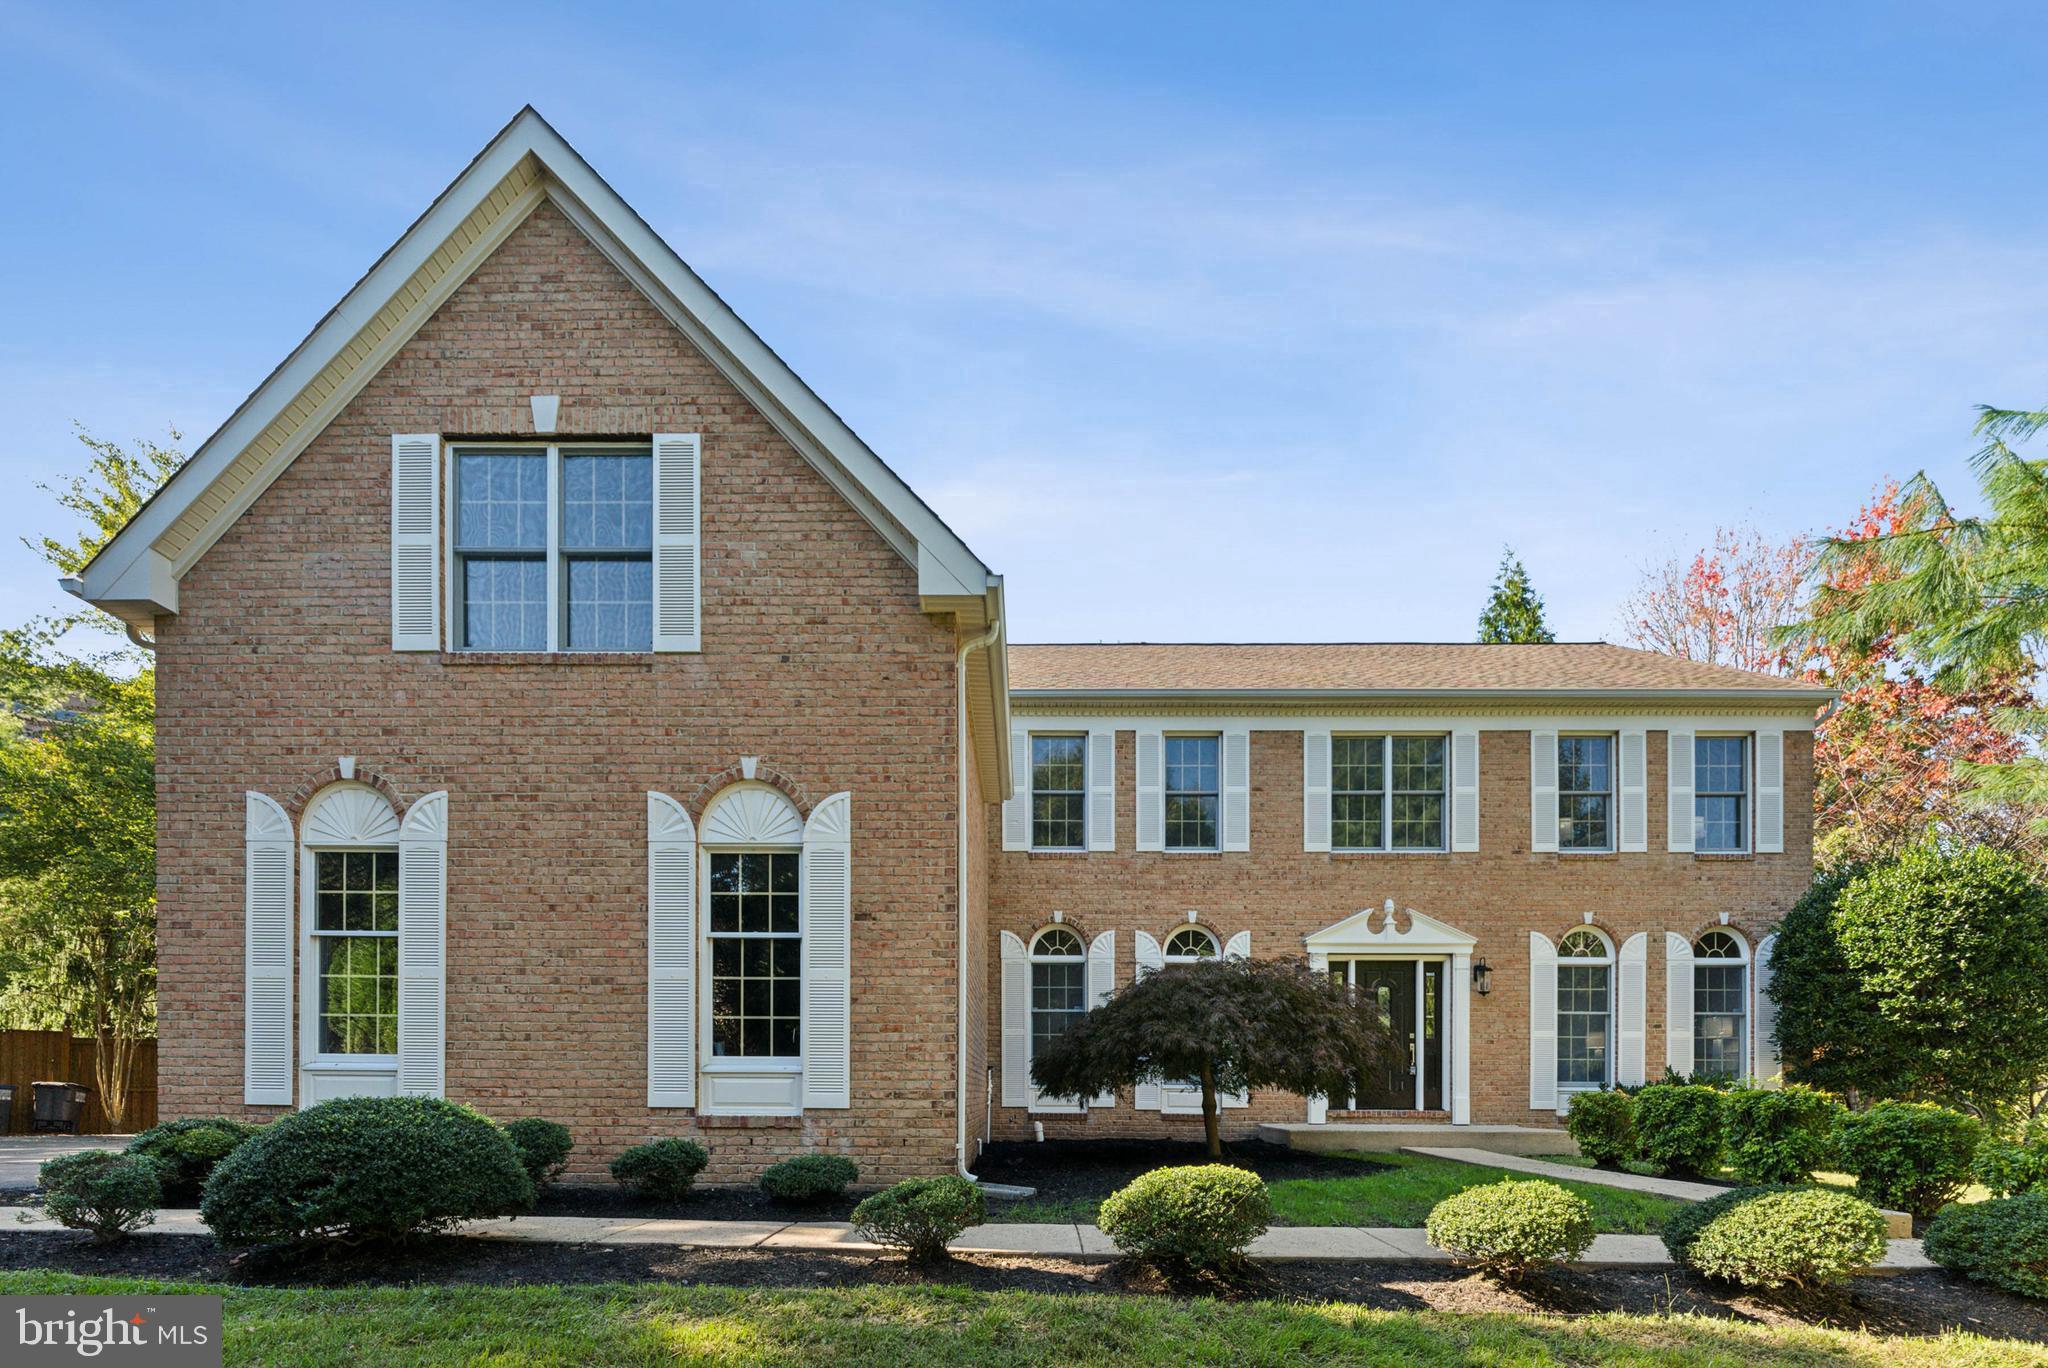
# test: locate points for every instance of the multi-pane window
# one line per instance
(1585, 792)
(1720, 1005)
(1189, 944)
(1387, 792)
(1192, 787)
(756, 956)
(1720, 804)
(1059, 985)
(1059, 798)
(1585, 1009)
(355, 931)
(554, 549)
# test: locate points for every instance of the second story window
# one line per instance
(1059, 780)
(1585, 793)
(1387, 792)
(1192, 788)
(1720, 804)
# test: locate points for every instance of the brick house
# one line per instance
(562, 711)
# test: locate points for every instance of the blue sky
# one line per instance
(1201, 322)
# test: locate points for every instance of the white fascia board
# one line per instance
(1083, 697)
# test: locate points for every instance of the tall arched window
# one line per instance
(350, 840)
(752, 839)
(1059, 984)
(1585, 1010)
(1189, 944)
(1720, 1000)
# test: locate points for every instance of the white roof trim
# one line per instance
(1356, 935)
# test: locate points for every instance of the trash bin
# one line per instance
(58, 1106)
(6, 1108)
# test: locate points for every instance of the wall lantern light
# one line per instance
(1482, 977)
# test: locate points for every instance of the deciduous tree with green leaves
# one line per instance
(1514, 614)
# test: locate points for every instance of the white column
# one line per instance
(1421, 1042)
(1319, 1107)
(1458, 1039)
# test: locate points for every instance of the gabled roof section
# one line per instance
(135, 576)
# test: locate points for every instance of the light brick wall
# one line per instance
(1501, 893)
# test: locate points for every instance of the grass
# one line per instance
(898, 1327)
(1399, 1195)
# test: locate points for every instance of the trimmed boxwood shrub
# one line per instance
(1683, 1226)
(365, 1168)
(661, 1169)
(1910, 1156)
(2003, 1242)
(2011, 1167)
(1779, 1135)
(1604, 1126)
(543, 1148)
(1790, 1238)
(920, 1215)
(185, 1152)
(100, 1191)
(1509, 1227)
(1679, 1127)
(1196, 1216)
(809, 1177)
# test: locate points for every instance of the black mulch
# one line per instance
(1083, 1170)
(703, 1204)
(1905, 1304)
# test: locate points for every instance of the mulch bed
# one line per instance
(1081, 1170)
(1923, 1303)
(703, 1204)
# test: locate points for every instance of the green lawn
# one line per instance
(899, 1327)
(1397, 1196)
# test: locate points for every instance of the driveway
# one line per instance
(22, 1155)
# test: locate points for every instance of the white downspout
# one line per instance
(986, 639)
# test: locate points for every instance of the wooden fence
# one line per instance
(52, 1057)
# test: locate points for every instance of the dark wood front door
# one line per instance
(1409, 994)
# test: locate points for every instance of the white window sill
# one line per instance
(746, 1064)
(351, 1064)
(1372, 853)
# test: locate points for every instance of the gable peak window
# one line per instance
(1059, 792)
(1585, 793)
(1720, 1005)
(1193, 792)
(1585, 1010)
(1387, 792)
(1720, 804)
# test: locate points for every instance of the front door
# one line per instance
(1409, 994)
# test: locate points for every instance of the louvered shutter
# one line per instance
(1769, 1066)
(1102, 789)
(266, 953)
(1237, 790)
(1631, 1008)
(415, 542)
(828, 954)
(1634, 791)
(1151, 791)
(1147, 957)
(1016, 1009)
(422, 947)
(1678, 1000)
(1465, 789)
(671, 954)
(1678, 834)
(1102, 986)
(1315, 789)
(678, 589)
(1770, 792)
(1239, 947)
(1542, 1023)
(1017, 807)
(1543, 790)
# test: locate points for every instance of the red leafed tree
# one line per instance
(1725, 605)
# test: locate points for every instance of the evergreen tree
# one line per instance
(1515, 613)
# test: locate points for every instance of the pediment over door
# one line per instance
(1389, 930)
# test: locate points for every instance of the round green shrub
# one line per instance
(1779, 1135)
(1790, 1238)
(809, 1177)
(100, 1191)
(920, 1215)
(365, 1168)
(2011, 1167)
(2003, 1242)
(1196, 1216)
(1910, 1156)
(661, 1169)
(1684, 1225)
(185, 1152)
(1509, 1227)
(1604, 1126)
(543, 1148)
(1679, 1127)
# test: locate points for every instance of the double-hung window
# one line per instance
(553, 548)
(1387, 792)
(355, 934)
(756, 955)
(1059, 985)
(1720, 804)
(1585, 1009)
(1059, 796)
(1585, 793)
(1192, 792)
(1720, 1006)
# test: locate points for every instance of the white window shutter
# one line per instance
(1542, 791)
(1465, 789)
(1238, 947)
(422, 948)
(1315, 788)
(1770, 792)
(1016, 1008)
(1634, 791)
(1542, 1023)
(1151, 791)
(1678, 787)
(678, 588)
(1102, 987)
(1237, 790)
(415, 541)
(266, 953)
(827, 900)
(1017, 807)
(1678, 999)
(1769, 1067)
(1102, 789)
(671, 953)
(1147, 957)
(1632, 1007)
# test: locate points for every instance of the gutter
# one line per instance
(74, 585)
(1804, 695)
(982, 642)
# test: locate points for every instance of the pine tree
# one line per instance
(1514, 614)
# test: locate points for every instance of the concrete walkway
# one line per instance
(22, 1155)
(1283, 1243)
